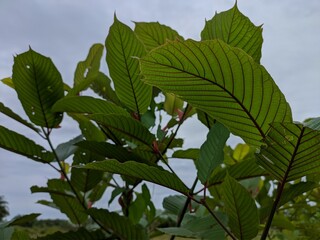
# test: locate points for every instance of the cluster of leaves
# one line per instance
(265, 187)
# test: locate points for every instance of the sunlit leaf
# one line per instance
(39, 85)
(154, 34)
(211, 152)
(90, 65)
(141, 171)
(120, 226)
(291, 151)
(241, 209)
(240, 152)
(235, 29)
(20, 144)
(222, 81)
(172, 105)
(8, 81)
(123, 47)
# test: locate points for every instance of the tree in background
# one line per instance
(3, 208)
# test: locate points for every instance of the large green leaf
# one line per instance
(141, 171)
(211, 151)
(122, 47)
(235, 29)
(221, 80)
(291, 152)
(22, 145)
(125, 127)
(240, 208)
(8, 112)
(190, 153)
(86, 104)
(120, 226)
(154, 34)
(39, 85)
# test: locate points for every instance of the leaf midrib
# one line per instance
(257, 126)
(128, 72)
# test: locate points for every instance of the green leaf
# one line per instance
(87, 70)
(243, 170)
(8, 112)
(190, 153)
(205, 118)
(172, 104)
(17, 143)
(126, 127)
(121, 226)
(295, 190)
(102, 86)
(65, 150)
(198, 227)
(123, 47)
(141, 171)
(291, 152)
(20, 235)
(64, 199)
(235, 29)
(39, 85)
(240, 152)
(85, 179)
(108, 150)
(154, 34)
(86, 104)
(6, 232)
(174, 204)
(24, 219)
(222, 81)
(313, 123)
(240, 208)
(90, 66)
(79, 234)
(8, 81)
(211, 151)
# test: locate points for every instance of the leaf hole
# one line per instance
(28, 66)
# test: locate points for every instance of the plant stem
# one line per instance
(273, 211)
(185, 207)
(218, 220)
(47, 136)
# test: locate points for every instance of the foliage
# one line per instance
(267, 186)
(3, 208)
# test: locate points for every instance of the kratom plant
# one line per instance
(267, 187)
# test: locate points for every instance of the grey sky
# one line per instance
(65, 30)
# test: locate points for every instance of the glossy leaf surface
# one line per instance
(220, 80)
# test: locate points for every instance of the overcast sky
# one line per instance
(65, 29)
